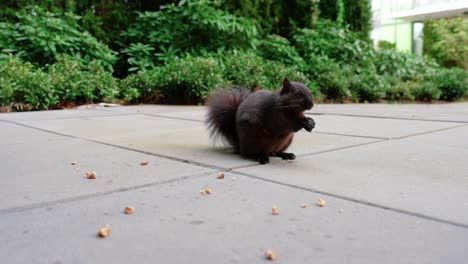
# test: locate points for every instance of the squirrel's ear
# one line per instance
(286, 85)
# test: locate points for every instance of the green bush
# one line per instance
(368, 86)
(24, 87)
(334, 42)
(65, 81)
(453, 83)
(39, 36)
(196, 27)
(142, 86)
(74, 83)
(332, 80)
(277, 48)
(398, 90)
(383, 44)
(426, 91)
(402, 65)
(252, 71)
(445, 41)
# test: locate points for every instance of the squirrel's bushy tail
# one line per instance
(221, 118)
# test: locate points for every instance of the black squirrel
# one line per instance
(260, 124)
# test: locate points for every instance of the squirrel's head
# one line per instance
(295, 96)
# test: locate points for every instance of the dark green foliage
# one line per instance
(398, 90)
(383, 44)
(196, 27)
(401, 65)
(358, 15)
(39, 36)
(277, 48)
(328, 9)
(23, 87)
(252, 71)
(426, 91)
(66, 81)
(335, 42)
(190, 79)
(368, 86)
(73, 82)
(332, 80)
(453, 83)
(445, 40)
(276, 17)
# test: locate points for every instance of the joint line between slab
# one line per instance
(98, 194)
(354, 200)
(389, 117)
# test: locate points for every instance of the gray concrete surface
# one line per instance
(394, 178)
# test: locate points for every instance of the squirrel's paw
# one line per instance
(288, 156)
(309, 124)
(263, 159)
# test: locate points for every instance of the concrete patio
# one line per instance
(394, 178)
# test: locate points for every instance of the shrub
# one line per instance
(383, 44)
(367, 86)
(65, 81)
(24, 86)
(332, 79)
(398, 90)
(402, 65)
(277, 48)
(143, 86)
(426, 91)
(39, 36)
(445, 41)
(196, 27)
(453, 83)
(75, 83)
(252, 71)
(334, 42)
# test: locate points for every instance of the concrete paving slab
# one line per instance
(455, 112)
(174, 223)
(55, 114)
(427, 174)
(16, 134)
(343, 125)
(181, 139)
(373, 127)
(41, 172)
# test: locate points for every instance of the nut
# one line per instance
(304, 205)
(73, 163)
(144, 163)
(274, 210)
(270, 254)
(320, 202)
(91, 175)
(205, 191)
(129, 210)
(220, 175)
(104, 231)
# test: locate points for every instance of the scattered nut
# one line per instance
(91, 175)
(144, 163)
(129, 210)
(220, 175)
(304, 205)
(274, 210)
(340, 211)
(104, 231)
(320, 202)
(205, 191)
(233, 178)
(270, 254)
(73, 163)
